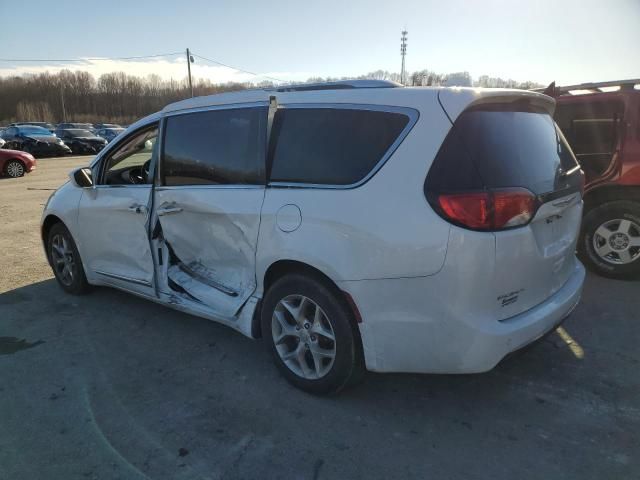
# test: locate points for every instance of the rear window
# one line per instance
(495, 148)
(331, 146)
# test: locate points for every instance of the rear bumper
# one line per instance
(408, 325)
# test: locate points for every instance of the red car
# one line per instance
(602, 124)
(15, 163)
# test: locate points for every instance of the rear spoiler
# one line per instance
(456, 100)
(593, 87)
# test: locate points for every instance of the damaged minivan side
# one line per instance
(312, 217)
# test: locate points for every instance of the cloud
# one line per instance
(167, 69)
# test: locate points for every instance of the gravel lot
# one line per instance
(110, 386)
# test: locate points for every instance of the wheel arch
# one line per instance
(49, 221)
(280, 268)
(608, 193)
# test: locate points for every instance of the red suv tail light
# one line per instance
(489, 209)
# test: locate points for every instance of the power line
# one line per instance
(237, 69)
(87, 58)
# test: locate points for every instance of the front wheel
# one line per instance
(65, 260)
(610, 239)
(310, 332)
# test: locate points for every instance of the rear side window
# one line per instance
(331, 146)
(491, 147)
(216, 147)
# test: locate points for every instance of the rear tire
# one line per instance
(14, 168)
(610, 239)
(65, 261)
(310, 332)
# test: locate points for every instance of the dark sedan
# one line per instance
(81, 141)
(38, 141)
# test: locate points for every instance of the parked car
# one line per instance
(2, 141)
(36, 140)
(100, 126)
(348, 224)
(81, 141)
(14, 163)
(46, 125)
(603, 128)
(68, 125)
(109, 133)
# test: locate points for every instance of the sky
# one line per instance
(539, 40)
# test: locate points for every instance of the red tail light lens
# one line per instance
(489, 209)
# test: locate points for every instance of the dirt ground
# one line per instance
(111, 386)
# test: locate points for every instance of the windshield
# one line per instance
(34, 131)
(78, 132)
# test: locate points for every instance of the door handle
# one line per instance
(168, 210)
(138, 209)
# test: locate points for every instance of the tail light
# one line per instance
(489, 209)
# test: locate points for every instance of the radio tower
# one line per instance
(403, 52)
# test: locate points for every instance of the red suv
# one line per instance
(601, 121)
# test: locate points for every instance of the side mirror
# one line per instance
(82, 177)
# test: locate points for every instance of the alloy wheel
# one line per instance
(617, 241)
(62, 259)
(15, 169)
(303, 337)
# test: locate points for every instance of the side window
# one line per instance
(215, 147)
(331, 146)
(130, 162)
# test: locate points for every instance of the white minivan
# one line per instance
(354, 226)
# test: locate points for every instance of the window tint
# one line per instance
(215, 147)
(331, 146)
(489, 148)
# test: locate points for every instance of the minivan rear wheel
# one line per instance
(310, 334)
(610, 239)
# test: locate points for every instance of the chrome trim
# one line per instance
(413, 115)
(162, 188)
(124, 278)
(226, 106)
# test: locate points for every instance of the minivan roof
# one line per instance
(457, 98)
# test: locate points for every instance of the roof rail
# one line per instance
(339, 85)
(592, 87)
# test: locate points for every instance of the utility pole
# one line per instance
(64, 112)
(189, 60)
(403, 52)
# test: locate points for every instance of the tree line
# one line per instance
(121, 98)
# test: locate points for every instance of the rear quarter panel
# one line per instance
(382, 229)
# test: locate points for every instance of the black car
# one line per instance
(100, 126)
(109, 133)
(81, 141)
(38, 141)
(46, 125)
(70, 125)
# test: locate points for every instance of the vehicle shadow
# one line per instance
(152, 380)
